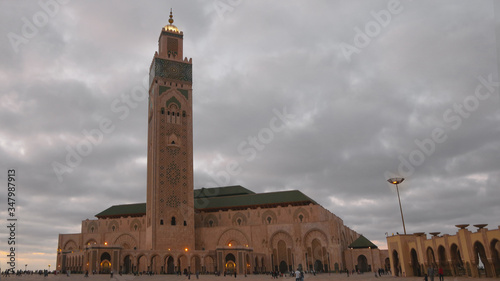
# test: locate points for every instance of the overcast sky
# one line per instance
(329, 97)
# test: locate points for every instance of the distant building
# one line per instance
(473, 254)
(364, 256)
(181, 229)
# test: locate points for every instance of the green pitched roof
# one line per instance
(292, 197)
(221, 191)
(124, 210)
(361, 243)
(221, 198)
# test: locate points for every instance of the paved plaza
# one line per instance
(308, 277)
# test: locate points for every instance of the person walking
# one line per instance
(441, 273)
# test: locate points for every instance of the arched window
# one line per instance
(301, 217)
(162, 110)
(185, 223)
(269, 220)
(161, 222)
(172, 222)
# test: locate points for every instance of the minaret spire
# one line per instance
(171, 19)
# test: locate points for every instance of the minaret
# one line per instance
(170, 211)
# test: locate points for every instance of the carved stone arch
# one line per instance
(234, 236)
(239, 219)
(297, 215)
(127, 241)
(281, 235)
(70, 245)
(91, 241)
(92, 227)
(114, 224)
(134, 223)
(213, 219)
(173, 139)
(269, 217)
(315, 234)
(173, 101)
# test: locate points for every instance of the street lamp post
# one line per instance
(25, 267)
(397, 181)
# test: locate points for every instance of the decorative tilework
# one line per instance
(173, 100)
(184, 93)
(172, 70)
(163, 89)
(173, 34)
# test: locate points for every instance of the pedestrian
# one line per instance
(235, 273)
(425, 277)
(441, 273)
(111, 274)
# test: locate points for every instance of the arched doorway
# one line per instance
(249, 266)
(209, 264)
(105, 263)
(395, 262)
(362, 265)
(414, 263)
(127, 265)
(183, 264)
(495, 256)
(195, 264)
(230, 263)
(142, 264)
(318, 266)
(156, 266)
(456, 261)
(483, 266)
(282, 256)
(283, 267)
(317, 255)
(387, 265)
(170, 268)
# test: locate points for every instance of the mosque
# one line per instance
(221, 229)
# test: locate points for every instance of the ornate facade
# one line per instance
(203, 230)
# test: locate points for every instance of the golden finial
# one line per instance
(171, 19)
